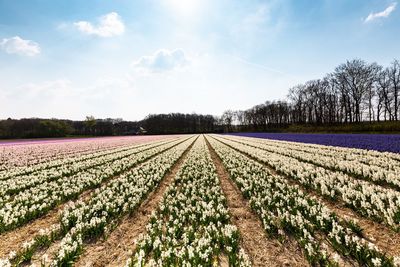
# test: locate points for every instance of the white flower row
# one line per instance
(352, 153)
(64, 161)
(285, 208)
(23, 155)
(79, 166)
(37, 200)
(24, 254)
(191, 226)
(378, 169)
(370, 200)
(16, 156)
(90, 219)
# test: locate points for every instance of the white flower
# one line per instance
(377, 262)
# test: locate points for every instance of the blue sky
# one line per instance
(126, 59)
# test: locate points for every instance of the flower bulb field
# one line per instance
(197, 200)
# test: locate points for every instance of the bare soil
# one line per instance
(117, 248)
(27, 232)
(385, 238)
(382, 236)
(13, 240)
(50, 252)
(262, 250)
(223, 261)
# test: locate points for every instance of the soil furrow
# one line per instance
(14, 239)
(380, 183)
(386, 239)
(262, 250)
(382, 236)
(116, 249)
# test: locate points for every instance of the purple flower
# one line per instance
(379, 142)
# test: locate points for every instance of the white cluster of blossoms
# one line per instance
(43, 239)
(284, 208)
(26, 158)
(362, 155)
(39, 199)
(376, 202)
(69, 247)
(82, 220)
(6, 262)
(378, 167)
(69, 167)
(381, 159)
(191, 226)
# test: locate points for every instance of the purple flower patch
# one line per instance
(379, 142)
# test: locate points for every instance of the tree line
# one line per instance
(355, 92)
(173, 123)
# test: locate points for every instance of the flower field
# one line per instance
(379, 142)
(197, 200)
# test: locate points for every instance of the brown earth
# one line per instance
(262, 250)
(13, 240)
(117, 248)
(382, 236)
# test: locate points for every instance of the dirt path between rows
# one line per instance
(386, 239)
(382, 236)
(13, 240)
(262, 250)
(117, 248)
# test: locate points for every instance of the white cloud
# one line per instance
(259, 25)
(162, 60)
(17, 45)
(109, 25)
(383, 14)
(54, 85)
(256, 19)
(60, 87)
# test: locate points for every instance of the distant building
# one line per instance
(141, 131)
(136, 131)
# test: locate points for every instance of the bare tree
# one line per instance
(227, 119)
(356, 91)
(394, 74)
(383, 92)
(358, 77)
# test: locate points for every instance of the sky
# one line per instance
(69, 59)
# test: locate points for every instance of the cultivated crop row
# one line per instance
(23, 155)
(79, 166)
(191, 226)
(68, 164)
(369, 200)
(380, 170)
(285, 209)
(87, 220)
(302, 196)
(39, 199)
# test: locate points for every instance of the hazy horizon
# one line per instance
(127, 59)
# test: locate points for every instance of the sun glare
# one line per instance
(185, 8)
